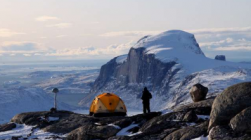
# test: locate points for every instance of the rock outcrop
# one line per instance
(220, 57)
(229, 103)
(153, 126)
(7, 127)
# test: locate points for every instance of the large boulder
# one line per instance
(242, 121)
(189, 132)
(229, 103)
(224, 132)
(220, 57)
(200, 108)
(198, 92)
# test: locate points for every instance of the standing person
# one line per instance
(146, 96)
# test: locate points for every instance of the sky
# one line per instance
(41, 30)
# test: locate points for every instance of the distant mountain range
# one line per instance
(168, 64)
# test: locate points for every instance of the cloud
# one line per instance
(106, 52)
(8, 33)
(27, 54)
(221, 30)
(61, 36)
(46, 18)
(61, 25)
(18, 46)
(234, 48)
(129, 33)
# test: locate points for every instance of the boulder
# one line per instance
(229, 103)
(224, 132)
(220, 57)
(200, 108)
(198, 92)
(7, 127)
(242, 121)
(189, 132)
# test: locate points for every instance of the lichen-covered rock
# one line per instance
(7, 127)
(189, 132)
(229, 103)
(242, 121)
(200, 108)
(198, 92)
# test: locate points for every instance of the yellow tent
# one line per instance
(107, 104)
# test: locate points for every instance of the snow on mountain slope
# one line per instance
(19, 100)
(180, 47)
(168, 64)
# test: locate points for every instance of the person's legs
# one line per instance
(148, 108)
(144, 108)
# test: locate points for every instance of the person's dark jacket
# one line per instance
(146, 96)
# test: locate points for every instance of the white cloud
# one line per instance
(8, 33)
(61, 25)
(129, 33)
(46, 18)
(61, 36)
(26, 54)
(234, 48)
(109, 51)
(221, 30)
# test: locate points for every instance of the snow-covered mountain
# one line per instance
(168, 64)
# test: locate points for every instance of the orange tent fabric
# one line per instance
(107, 104)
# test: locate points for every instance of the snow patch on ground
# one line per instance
(24, 131)
(124, 131)
(201, 138)
(115, 126)
(52, 119)
(204, 117)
